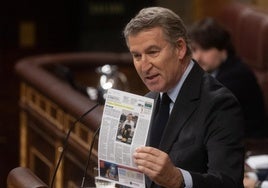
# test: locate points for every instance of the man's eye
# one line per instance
(153, 52)
(136, 56)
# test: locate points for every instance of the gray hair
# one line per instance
(147, 18)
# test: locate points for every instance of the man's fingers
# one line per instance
(147, 149)
(149, 160)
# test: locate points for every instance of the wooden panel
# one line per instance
(42, 133)
(261, 3)
(204, 8)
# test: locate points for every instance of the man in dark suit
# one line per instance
(201, 144)
(213, 50)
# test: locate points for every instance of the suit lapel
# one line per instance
(184, 106)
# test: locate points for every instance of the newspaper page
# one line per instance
(124, 127)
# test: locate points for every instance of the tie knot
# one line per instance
(165, 99)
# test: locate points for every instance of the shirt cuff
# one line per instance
(188, 181)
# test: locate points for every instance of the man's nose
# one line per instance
(145, 63)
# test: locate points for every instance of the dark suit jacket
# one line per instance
(204, 132)
(237, 77)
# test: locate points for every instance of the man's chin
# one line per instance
(154, 85)
(154, 88)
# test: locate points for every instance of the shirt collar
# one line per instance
(173, 93)
(214, 73)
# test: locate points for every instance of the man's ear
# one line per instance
(181, 47)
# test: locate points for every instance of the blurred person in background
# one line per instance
(212, 48)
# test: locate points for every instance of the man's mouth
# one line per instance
(151, 77)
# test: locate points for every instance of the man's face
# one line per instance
(156, 60)
(129, 117)
(208, 59)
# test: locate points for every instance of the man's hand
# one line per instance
(157, 165)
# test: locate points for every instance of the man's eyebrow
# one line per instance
(152, 47)
(147, 49)
(133, 52)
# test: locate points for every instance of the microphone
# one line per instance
(89, 156)
(66, 142)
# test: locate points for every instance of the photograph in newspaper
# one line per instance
(124, 127)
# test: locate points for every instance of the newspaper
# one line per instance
(124, 127)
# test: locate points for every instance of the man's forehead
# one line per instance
(146, 40)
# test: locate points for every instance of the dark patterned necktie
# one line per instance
(160, 121)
